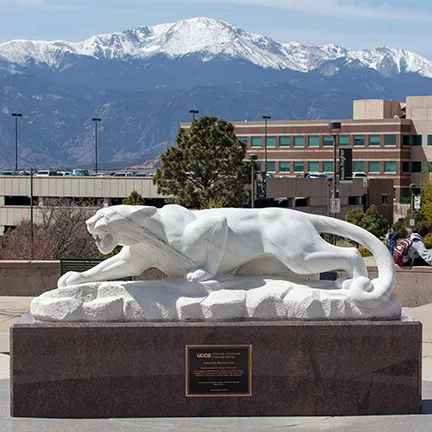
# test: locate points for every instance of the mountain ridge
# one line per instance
(209, 38)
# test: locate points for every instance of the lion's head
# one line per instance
(113, 226)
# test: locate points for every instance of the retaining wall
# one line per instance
(32, 278)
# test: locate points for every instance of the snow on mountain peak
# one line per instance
(209, 38)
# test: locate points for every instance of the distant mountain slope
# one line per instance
(139, 81)
(56, 129)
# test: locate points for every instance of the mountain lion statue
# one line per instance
(199, 245)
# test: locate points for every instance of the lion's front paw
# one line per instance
(198, 275)
(342, 283)
(71, 278)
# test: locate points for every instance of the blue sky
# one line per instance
(354, 24)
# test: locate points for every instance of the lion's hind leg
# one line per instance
(324, 259)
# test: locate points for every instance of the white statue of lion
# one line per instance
(202, 244)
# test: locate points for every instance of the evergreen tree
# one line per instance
(371, 220)
(134, 199)
(424, 216)
(206, 166)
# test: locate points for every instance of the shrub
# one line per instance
(364, 252)
(401, 228)
(428, 242)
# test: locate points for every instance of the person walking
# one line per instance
(391, 240)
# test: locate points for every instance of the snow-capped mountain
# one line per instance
(209, 39)
(143, 82)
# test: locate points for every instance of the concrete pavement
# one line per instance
(12, 308)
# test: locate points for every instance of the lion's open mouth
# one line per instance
(103, 241)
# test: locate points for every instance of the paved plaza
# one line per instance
(12, 308)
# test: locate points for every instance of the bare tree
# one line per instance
(60, 233)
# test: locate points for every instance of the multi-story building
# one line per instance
(389, 139)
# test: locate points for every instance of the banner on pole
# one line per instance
(345, 163)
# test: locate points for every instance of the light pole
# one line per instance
(253, 158)
(16, 115)
(96, 120)
(334, 129)
(31, 214)
(193, 112)
(412, 187)
(266, 118)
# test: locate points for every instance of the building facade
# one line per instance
(390, 140)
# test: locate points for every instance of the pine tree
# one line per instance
(206, 166)
(134, 199)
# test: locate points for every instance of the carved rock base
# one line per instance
(227, 298)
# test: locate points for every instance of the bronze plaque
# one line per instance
(218, 370)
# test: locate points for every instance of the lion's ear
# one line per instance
(147, 211)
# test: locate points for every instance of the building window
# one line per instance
(313, 166)
(314, 141)
(256, 141)
(328, 166)
(271, 166)
(384, 199)
(417, 140)
(243, 138)
(299, 141)
(359, 140)
(271, 141)
(390, 166)
(375, 167)
(298, 166)
(405, 195)
(285, 141)
(328, 141)
(412, 140)
(390, 140)
(284, 166)
(429, 140)
(374, 140)
(406, 166)
(344, 140)
(354, 200)
(359, 166)
(416, 167)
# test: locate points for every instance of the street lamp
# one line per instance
(334, 130)
(253, 158)
(193, 112)
(96, 120)
(265, 118)
(16, 115)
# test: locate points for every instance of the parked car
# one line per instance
(80, 173)
(360, 175)
(142, 174)
(24, 173)
(7, 173)
(124, 174)
(64, 173)
(46, 173)
(317, 175)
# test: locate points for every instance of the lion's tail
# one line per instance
(381, 287)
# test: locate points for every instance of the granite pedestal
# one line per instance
(93, 370)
